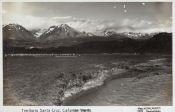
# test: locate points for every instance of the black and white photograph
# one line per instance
(87, 53)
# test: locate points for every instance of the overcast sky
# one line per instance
(92, 17)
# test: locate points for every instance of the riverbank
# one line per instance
(154, 72)
(105, 75)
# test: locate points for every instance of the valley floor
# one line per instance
(129, 80)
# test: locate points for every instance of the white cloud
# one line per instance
(88, 25)
(66, 17)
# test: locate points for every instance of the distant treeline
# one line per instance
(160, 43)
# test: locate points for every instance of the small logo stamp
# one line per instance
(148, 109)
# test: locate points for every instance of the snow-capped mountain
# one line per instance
(138, 35)
(131, 35)
(113, 34)
(60, 32)
(16, 32)
(109, 33)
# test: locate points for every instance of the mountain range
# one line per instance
(18, 32)
(63, 38)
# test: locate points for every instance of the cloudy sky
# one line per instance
(92, 17)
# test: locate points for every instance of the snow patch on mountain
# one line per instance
(61, 31)
(16, 32)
